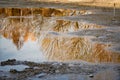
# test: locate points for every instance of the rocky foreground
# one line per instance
(54, 68)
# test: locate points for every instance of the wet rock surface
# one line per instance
(53, 68)
(8, 62)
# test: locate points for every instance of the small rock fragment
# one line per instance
(13, 71)
(41, 75)
(71, 65)
(57, 71)
(91, 76)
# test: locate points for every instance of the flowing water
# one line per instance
(60, 35)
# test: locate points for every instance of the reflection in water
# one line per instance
(18, 33)
(106, 75)
(51, 37)
(28, 52)
(17, 67)
(76, 48)
(46, 12)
